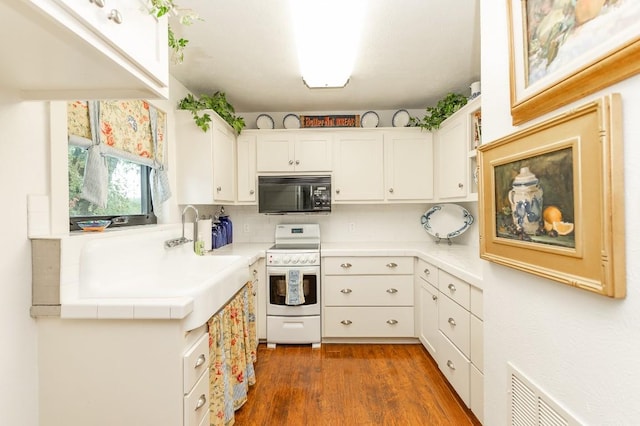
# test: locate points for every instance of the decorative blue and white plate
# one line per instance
(401, 118)
(446, 220)
(369, 119)
(291, 121)
(264, 121)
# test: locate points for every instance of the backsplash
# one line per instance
(346, 223)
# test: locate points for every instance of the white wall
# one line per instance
(25, 169)
(580, 348)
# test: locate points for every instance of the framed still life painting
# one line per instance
(562, 50)
(552, 199)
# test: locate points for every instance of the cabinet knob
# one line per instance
(337, 191)
(451, 365)
(451, 321)
(392, 265)
(290, 162)
(115, 16)
(346, 322)
(346, 265)
(434, 297)
(451, 287)
(99, 3)
(255, 272)
(391, 190)
(392, 322)
(252, 192)
(345, 291)
(218, 188)
(201, 401)
(201, 359)
(392, 290)
(460, 185)
(427, 271)
(297, 162)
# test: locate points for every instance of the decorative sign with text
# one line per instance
(308, 121)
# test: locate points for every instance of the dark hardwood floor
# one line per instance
(343, 384)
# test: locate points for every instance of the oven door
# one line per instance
(277, 291)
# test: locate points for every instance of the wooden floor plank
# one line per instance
(342, 384)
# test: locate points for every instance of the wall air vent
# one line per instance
(530, 406)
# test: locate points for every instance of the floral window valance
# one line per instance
(124, 126)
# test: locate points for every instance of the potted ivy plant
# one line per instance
(216, 102)
(434, 116)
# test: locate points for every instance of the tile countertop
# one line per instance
(459, 260)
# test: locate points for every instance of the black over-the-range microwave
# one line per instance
(294, 194)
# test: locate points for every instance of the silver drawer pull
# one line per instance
(201, 359)
(392, 290)
(434, 297)
(392, 322)
(451, 365)
(115, 16)
(345, 291)
(427, 271)
(392, 265)
(451, 287)
(451, 321)
(201, 401)
(345, 322)
(346, 265)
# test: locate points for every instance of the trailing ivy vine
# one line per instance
(216, 102)
(434, 116)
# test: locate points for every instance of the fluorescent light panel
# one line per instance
(327, 38)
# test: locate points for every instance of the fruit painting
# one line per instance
(535, 199)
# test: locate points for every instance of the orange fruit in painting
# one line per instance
(563, 228)
(550, 215)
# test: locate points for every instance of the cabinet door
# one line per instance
(452, 158)
(246, 168)
(223, 164)
(141, 37)
(205, 161)
(275, 152)
(312, 152)
(358, 167)
(409, 165)
(429, 318)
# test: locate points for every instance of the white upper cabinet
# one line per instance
(246, 166)
(67, 49)
(456, 155)
(205, 161)
(408, 165)
(294, 151)
(358, 167)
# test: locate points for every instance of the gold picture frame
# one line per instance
(551, 199)
(561, 53)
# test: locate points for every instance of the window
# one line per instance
(129, 193)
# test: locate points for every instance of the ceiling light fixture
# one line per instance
(327, 37)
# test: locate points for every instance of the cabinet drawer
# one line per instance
(455, 288)
(368, 322)
(196, 403)
(476, 393)
(476, 305)
(368, 290)
(195, 362)
(455, 367)
(454, 322)
(382, 265)
(427, 272)
(476, 350)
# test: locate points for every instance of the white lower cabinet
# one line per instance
(258, 273)
(368, 297)
(451, 329)
(122, 372)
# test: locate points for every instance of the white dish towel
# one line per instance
(295, 289)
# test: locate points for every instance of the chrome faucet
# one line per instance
(183, 240)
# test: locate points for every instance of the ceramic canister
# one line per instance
(526, 201)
